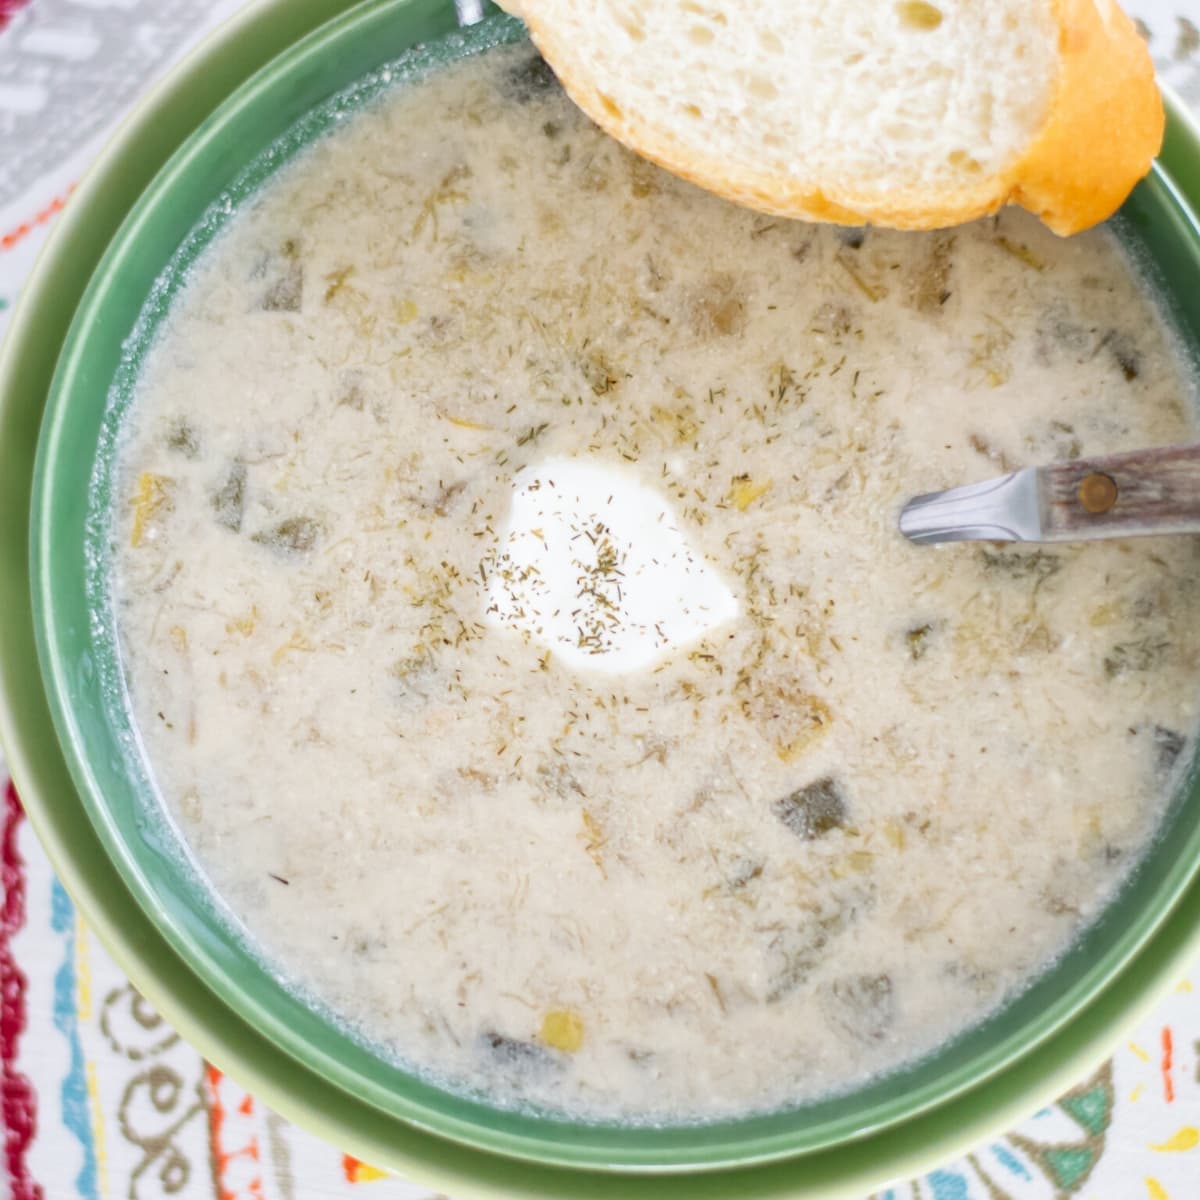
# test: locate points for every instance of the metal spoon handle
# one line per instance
(1118, 495)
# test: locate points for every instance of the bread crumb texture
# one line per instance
(915, 114)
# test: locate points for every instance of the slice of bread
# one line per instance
(910, 113)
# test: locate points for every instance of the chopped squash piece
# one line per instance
(562, 1030)
(807, 723)
(744, 491)
(229, 500)
(296, 534)
(813, 811)
(153, 497)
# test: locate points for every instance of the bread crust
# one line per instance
(1105, 123)
(1103, 127)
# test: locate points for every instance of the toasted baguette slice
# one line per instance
(911, 113)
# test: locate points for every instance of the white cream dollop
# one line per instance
(592, 564)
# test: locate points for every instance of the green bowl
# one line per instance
(76, 338)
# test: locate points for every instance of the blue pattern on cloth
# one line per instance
(76, 1116)
(1010, 1162)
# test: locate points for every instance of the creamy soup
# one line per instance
(513, 612)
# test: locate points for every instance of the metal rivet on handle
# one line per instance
(1097, 493)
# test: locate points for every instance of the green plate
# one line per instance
(63, 725)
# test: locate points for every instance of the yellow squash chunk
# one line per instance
(745, 491)
(562, 1030)
(152, 497)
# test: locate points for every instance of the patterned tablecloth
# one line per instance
(98, 1097)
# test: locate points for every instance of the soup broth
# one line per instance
(512, 609)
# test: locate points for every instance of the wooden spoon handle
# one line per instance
(1122, 495)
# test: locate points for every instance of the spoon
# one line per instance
(1120, 495)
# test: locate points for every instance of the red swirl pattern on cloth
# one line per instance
(8, 9)
(18, 1103)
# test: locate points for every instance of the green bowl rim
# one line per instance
(167, 980)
